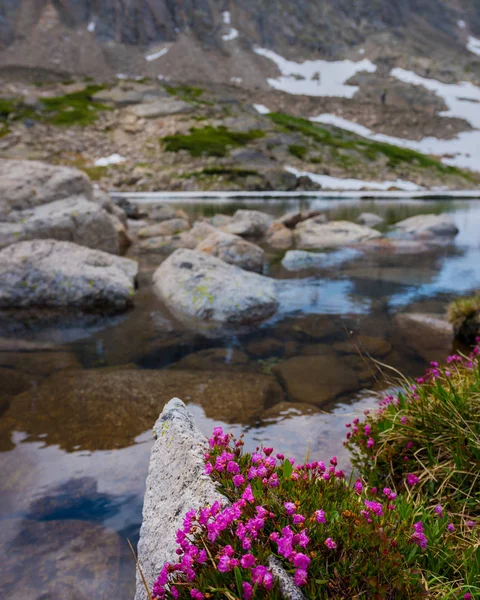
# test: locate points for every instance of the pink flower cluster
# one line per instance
(418, 537)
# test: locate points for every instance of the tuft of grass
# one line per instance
(428, 433)
(298, 151)
(77, 108)
(463, 308)
(188, 93)
(212, 141)
(339, 139)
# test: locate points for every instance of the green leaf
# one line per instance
(287, 469)
(238, 579)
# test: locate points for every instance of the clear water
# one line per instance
(74, 446)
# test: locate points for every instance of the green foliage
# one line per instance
(431, 431)
(463, 308)
(187, 93)
(337, 139)
(212, 141)
(298, 151)
(77, 108)
(229, 172)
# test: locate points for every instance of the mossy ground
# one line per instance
(343, 144)
(464, 308)
(210, 141)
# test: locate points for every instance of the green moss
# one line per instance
(187, 93)
(4, 130)
(212, 141)
(77, 108)
(298, 151)
(463, 308)
(339, 139)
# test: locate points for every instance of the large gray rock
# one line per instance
(74, 220)
(249, 223)
(165, 244)
(311, 234)
(234, 250)
(169, 227)
(175, 485)
(26, 184)
(210, 295)
(279, 236)
(48, 273)
(161, 108)
(295, 260)
(369, 219)
(428, 226)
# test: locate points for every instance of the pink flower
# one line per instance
(248, 494)
(280, 457)
(412, 479)
(262, 576)
(290, 507)
(358, 487)
(267, 451)
(451, 527)
(301, 561)
(300, 577)
(247, 560)
(438, 510)
(418, 537)
(374, 507)
(238, 480)
(367, 429)
(297, 519)
(247, 591)
(329, 543)
(256, 458)
(370, 443)
(320, 516)
(233, 467)
(467, 596)
(196, 595)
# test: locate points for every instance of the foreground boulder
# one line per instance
(369, 219)
(176, 484)
(295, 260)
(48, 273)
(312, 234)
(74, 220)
(249, 223)
(427, 226)
(208, 294)
(27, 183)
(233, 250)
(166, 227)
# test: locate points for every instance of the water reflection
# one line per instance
(79, 395)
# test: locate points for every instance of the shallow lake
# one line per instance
(75, 444)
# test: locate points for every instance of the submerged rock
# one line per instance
(427, 226)
(28, 183)
(428, 335)
(48, 273)
(208, 294)
(311, 234)
(249, 223)
(233, 250)
(74, 220)
(316, 379)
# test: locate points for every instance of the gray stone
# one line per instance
(190, 239)
(292, 219)
(175, 485)
(428, 226)
(430, 336)
(311, 235)
(210, 295)
(249, 223)
(118, 96)
(170, 227)
(233, 250)
(288, 589)
(161, 108)
(221, 220)
(74, 220)
(295, 260)
(279, 236)
(369, 219)
(26, 184)
(161, 212)
(50, 273)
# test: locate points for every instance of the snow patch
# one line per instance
(261, 108)
(463, 101)
(227, 18)
(113, 159)
(361, 51)
(316, 77)
(336, 183)
(473, 45)
(155, 55)
(236, 80)
(124, 76)
(461, 24)
(231, 35)
(91, 26)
